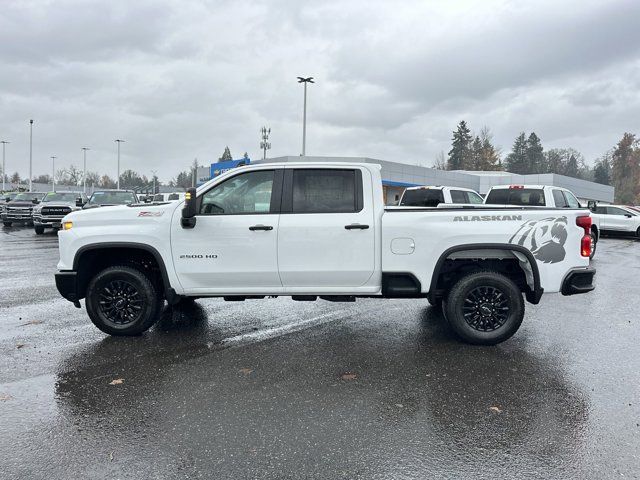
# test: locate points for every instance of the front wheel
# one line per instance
(38, 230)
(7, 224)
(121, 300)
(484, 308)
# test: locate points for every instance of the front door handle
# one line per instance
(260, 227)
(356, 226)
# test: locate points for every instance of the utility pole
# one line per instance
(84, 169)
(154, 180)
(4, 169)
(118, 141)
(30, 154)
(304, 115)
(53, 172)
(195, 173)
(264, 144)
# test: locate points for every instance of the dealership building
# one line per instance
(397, 176)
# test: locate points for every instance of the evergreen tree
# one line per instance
(555, 161)
(226, 155)
(15, 178)
(245, 156)
(460, 153)
(625, 169)
(516, 161)
(571, 169)
(476, 155)
(602, 170)
(535, 156)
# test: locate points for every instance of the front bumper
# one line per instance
(578, 280)
(13, 216)
(48, 221)
(67, 285)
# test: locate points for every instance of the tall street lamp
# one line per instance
(304, 115)
(53, 172)
(155, 172)
(30, 154)
(118, 141)
(84, 169)
(4, 169)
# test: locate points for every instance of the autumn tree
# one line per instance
(625, 169)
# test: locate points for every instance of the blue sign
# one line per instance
(221, 167)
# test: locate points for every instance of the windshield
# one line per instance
(60, 197)
(111, 198)
(516, 196)
(422, 198)
(27, 196)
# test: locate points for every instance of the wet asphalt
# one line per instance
(280, 389)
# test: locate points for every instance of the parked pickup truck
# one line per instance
(433, 196)
(309, 230)
(541, 196)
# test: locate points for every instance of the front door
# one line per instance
(326, 236)
(233, 246)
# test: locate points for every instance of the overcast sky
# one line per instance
(181, 79)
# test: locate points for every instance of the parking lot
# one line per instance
(283, 389)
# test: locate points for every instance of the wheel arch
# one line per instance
(89, 259)
(534, 290)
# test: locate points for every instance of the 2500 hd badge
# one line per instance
(198, 256)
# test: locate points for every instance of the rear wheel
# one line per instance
(638, 232)
(6, 224)
(594, 243)
(39, 230)
(484, 308)
(121, 300)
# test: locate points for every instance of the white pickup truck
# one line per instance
(541, 196)
(432, 196)
(309, 230)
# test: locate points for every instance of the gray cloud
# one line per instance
(180, 80)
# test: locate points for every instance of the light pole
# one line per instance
(118, 141)
(53, 172)
(154, 180)
(30, 154)
(84, 169)
(4, 170)
(304, 115)
(264, 144)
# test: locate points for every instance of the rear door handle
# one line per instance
(260, 227)
(356, 226)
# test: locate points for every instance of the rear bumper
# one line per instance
(67, 285)
(579, 280)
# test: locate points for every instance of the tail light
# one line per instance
(585, 243)
(516, 187)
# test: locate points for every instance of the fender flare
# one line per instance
(532, 296)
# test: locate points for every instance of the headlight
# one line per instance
(67, 225)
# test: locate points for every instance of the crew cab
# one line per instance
(54, 206)
(540, 196)
(320, 230)
(617, 219)
(429, 196)
(20, 209)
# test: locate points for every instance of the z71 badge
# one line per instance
(151, 214)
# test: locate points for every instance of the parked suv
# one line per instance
(54, 206)
(20, 209)
(104, 198)
(618, 219)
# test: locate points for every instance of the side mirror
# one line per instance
(79, 202)
(190, 209)
(628, 215)
(591, 205)
(35, 201)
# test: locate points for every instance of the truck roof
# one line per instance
(535, 187)
(440, 187)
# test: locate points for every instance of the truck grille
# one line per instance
(25, 210)
(55, 210)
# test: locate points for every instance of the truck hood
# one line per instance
(21, 203)
(115, 215)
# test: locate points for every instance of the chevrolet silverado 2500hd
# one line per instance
(309, 230)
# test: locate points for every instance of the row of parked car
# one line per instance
(605, 218)
(44, 210)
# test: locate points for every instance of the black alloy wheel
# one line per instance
(120, 302)
(486, 308)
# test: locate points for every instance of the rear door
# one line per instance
(618, 219)
(326, 234)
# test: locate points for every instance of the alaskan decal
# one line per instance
(151, 214)
(545, 238)
(487, 218)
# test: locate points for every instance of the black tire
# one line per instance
(594, 245)
(638, 232)
(39, 230)
(484, 308)
(121, 300)
(6, 224)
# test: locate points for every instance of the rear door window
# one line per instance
(424, 197)
(324, 191)
(458, 196)
(559, 199)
